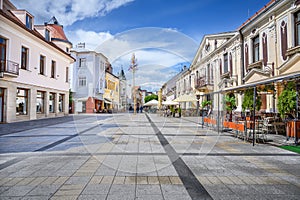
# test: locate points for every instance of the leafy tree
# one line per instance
(230, 102)
(287, 100)
(151, 97)
(248, 100)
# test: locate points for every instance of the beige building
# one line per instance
(111, 92)
(263, 50)
(34, 67)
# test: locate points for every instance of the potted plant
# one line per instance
(287, 107)
(230, 104)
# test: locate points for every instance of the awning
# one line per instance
(186, 98)
(170, 103)
(82, 99)
(153, 102)
(107, 101)
(264, 82)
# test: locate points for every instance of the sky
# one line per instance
(163, 34)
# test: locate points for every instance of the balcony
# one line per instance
(203, 82)
(256, 65)
(9, 68)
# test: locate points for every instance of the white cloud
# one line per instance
(156, 49)
(68, 11)
(90, 38)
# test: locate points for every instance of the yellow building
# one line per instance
(111, 92)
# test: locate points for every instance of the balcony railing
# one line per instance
(9, 67)
(203, 82)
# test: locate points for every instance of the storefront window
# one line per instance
(22, 102)
(51, 102)
(61, 103)
(40, 102)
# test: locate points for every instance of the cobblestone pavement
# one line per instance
(126, 156)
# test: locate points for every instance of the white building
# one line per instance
(87, 79)
(34, 67)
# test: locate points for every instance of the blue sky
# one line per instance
(122, 26)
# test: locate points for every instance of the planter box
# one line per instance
(293, 129)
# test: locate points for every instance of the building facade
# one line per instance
(263, 49)
(112, 90)
(34, 68)
(87, 80)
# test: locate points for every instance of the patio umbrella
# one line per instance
(153, 102)
(170, 103)
(186, 98)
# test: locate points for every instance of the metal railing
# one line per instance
(204, 81)
(10, 67)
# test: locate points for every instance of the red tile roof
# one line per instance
(57, 32)
(257, 13)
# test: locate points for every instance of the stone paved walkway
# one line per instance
(125, 156)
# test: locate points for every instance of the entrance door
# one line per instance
(1, 104)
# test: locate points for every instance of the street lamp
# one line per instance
(198, 103)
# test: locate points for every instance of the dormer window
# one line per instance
(28, 21)
(47, 34)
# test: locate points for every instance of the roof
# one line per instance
(57, 32)
(11, 17)
(257, 13)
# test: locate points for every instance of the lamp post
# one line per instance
(198, 103)
(133, 68)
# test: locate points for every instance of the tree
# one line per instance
(230, 104)
(248, 100)
(151, 97)
(287, 100)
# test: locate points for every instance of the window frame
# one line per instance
(42, 65)
(42, 97)
(296, 25)
(3, 46)
(47, 35)
(53, 69)
(25, 96)
(24, 58)
(225, 60)
(82, 81)
(28, 21)
(255, 46)
(82, 62)
(53, 101)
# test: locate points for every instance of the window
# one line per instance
(47, 34)
(42, 64)
(82, 62)
(28, 22)
(82, 81)
(24, 58)
(297, 28)
(53, 69)
(40, 99)
(2, 54)
(22, 102)
(60, 102)
(67, 74)
(51, 102)
(256, 49)
(67, 49)
(225, 62)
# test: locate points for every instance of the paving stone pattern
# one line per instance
(126, 156)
